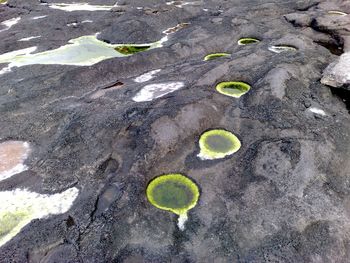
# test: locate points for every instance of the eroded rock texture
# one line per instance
(283, 197)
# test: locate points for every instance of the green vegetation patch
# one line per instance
(217, 144)
(233, 88)
(215, 56)
(3, 1)
(173, 192)
(248, 41)
(9, 221)
(131, 49)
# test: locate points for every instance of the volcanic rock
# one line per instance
(284, 196)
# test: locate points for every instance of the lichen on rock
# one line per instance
(233, 88)
(217, 144)
(175, 193)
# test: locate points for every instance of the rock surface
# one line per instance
(283, 197)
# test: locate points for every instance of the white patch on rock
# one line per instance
(5, 70)
(11, 55)
(147, 76)
(72, 24)
(28, 38)
(80, 7)
(317, 111)
(38, 17)
(82, 51)
(12, 157)
(9, 23)
(338, 13)
(204, 157)
(337, 73)
(181, 221)
(277, 79)
(280, 49)
(20, 206)
(154, 91)
(172, 30)
(179, 4)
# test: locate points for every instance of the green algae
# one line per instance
(20, 206)
(82, 51)
(215, 56)
(175, 193)
(217, 144)
(11, 223)
(233, 88)
(131, 49)
(248, 41)
(10, 220)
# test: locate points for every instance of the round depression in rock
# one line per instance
(173, 192)
(215, 56)
(247, 41)
(217, 144)
(336, 12)
(233, 88)
(282, 48)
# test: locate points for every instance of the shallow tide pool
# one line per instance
(82, 51)
(19, 207)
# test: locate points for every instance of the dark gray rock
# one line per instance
(283, 197)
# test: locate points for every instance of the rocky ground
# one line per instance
(283, 197)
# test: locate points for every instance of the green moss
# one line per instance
(9, 221)
(248, 41)
(131, 49)
(282, 48)
(233, 88)
(216, 55)
(173, 192)
(217, 144)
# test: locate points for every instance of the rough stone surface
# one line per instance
(283, 197)
(337, 74)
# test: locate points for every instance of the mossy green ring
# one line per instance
(247, 41)
(244, 86)
(215, 55)
(207, 153)
(177, 178)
